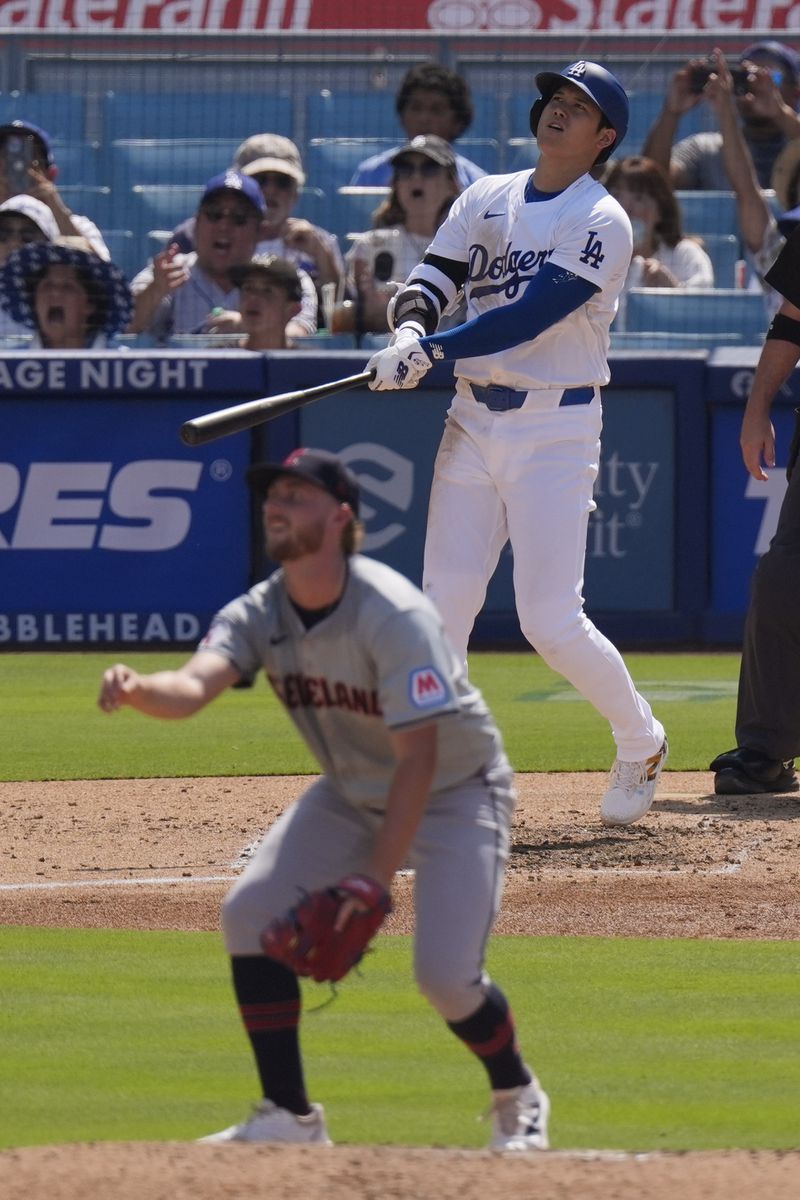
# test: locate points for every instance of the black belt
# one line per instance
(501, 399)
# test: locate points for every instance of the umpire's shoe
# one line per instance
(743, 772)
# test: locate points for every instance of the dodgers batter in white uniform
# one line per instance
(414, 771)
(541, 257)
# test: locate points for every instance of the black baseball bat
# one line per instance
(255, 412)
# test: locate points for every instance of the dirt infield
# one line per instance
(159, 854)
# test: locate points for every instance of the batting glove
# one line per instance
(401, 364)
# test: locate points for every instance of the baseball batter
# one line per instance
(414, 771)
(541, 257)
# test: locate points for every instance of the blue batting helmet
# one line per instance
(599, 84)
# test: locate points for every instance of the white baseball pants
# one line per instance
(527, 476)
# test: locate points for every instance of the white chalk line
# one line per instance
(55, 885)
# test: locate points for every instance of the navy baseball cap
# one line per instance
(599, 85)
(320, 467)
(235, 181)
(21, 128)
(788, 58)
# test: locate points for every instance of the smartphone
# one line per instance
(700, 74)
(18, 154)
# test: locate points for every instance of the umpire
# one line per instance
(768, 707)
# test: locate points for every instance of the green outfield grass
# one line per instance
(52, 728)
(664, 1044)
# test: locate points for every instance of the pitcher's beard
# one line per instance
(285, 546)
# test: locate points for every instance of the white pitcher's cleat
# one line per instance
(520, 1117)
(269, 1123)
(631, 788)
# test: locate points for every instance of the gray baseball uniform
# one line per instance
(380, 662)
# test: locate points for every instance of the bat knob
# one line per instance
(189, 434)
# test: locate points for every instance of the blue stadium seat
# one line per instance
(346, 114)
(230, 115)
(724, 251)
(90, 201)
(62, 115)
(352, 209)
(157, 206)
(79, 162)
(519, 112)
(484, 152)
(707, 311)
(486, 120)
(649, 339)
(313, 203)
(167, 160)
(330, 162)
(521, 153)
(708, 212)
(125, 250)
(645, 107)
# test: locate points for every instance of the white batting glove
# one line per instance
(401, 364)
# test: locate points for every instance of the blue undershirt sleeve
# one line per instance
(550, 296)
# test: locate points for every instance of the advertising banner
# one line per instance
(111, 529)
(435, 16)
(631, 542)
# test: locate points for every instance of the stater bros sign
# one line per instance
(452, 16)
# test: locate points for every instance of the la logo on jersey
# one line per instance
(426, 687)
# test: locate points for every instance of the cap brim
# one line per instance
(260, 475)
(549, 81)
(443, 160)
(279, 165)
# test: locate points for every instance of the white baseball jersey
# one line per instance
(379, 662)
(505, 240)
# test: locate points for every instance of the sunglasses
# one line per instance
(236, 217)
(404, 170)
(265, 178)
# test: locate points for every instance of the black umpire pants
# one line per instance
(768, 707)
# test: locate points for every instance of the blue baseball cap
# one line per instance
(235, 181)
(788, 58)
(599, 85)
(27, 127)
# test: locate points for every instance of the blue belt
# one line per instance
(501, 399)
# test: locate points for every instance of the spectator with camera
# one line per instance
(27, 165)
(765, 87)
(424, 183)
(431, 99)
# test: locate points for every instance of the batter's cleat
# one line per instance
(520, 1117)
(743, 772)
(632, 788)
(269, 1123)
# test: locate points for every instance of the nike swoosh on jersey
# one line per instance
(276, 639)
(487, 215)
